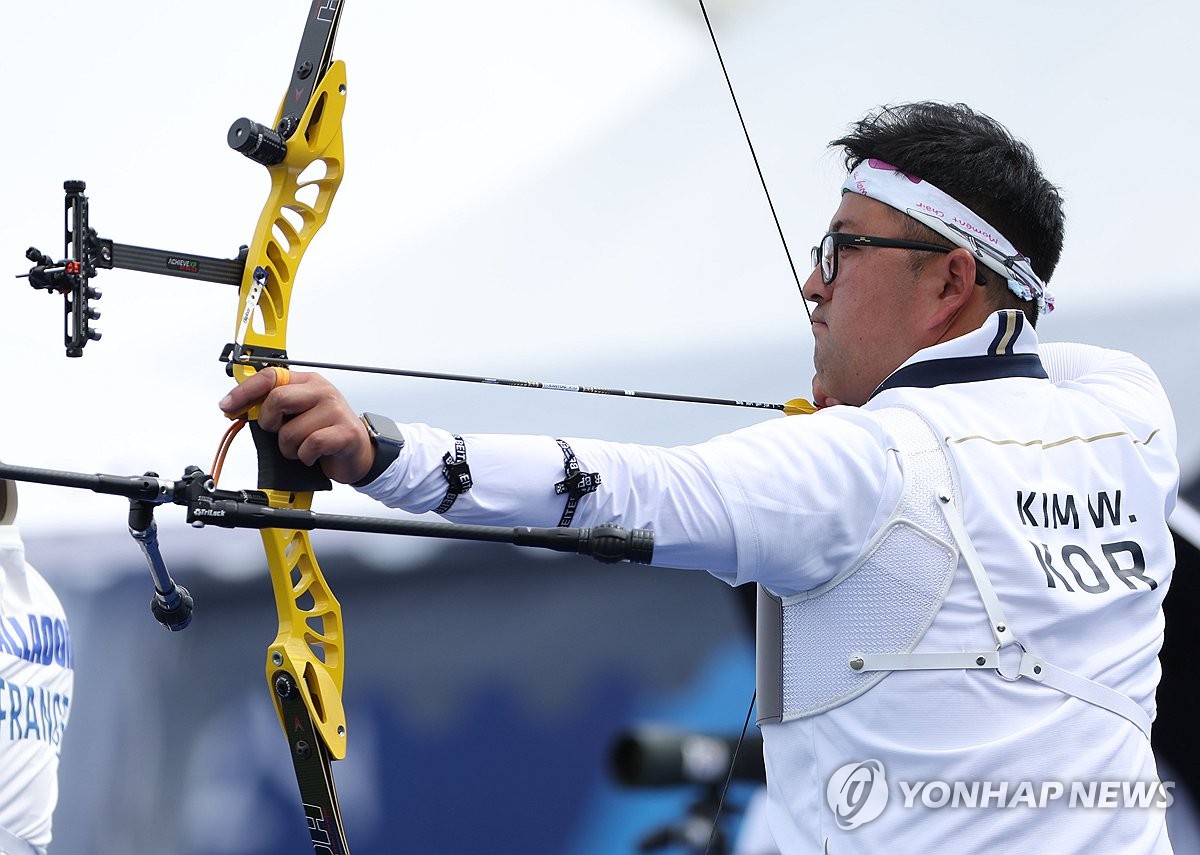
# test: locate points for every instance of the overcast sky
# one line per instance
(539, 188)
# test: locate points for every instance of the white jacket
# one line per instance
(1064, 456)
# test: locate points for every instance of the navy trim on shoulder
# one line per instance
(965, 369)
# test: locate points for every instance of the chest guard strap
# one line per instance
(1008, 651)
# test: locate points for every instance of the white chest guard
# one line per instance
(821, 648)
(882, 603)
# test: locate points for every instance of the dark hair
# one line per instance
(974, 159)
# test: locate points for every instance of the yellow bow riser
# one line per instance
(309, 643)
(289, 222)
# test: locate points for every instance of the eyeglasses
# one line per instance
(826, 254)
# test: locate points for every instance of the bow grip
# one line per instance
(276, 472)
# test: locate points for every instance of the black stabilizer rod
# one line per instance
(147, 488)
(207, 505)
(607, 543)
(172, 604)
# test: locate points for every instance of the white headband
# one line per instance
(953, 221)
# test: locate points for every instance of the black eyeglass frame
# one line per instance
(840, 239)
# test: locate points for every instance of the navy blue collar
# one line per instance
(1005, 346)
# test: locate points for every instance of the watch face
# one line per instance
(382, 428)
(387, 442)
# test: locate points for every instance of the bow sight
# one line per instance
(87, 253)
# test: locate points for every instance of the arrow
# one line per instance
(231, 355)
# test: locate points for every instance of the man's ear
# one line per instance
(962, 272)
(957, 278)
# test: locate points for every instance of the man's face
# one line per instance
(865, 322)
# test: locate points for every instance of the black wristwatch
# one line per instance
(388, 441)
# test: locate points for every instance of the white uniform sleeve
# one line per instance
(1127, 386)
(37, 684)
(787, 503)
(1122, 381)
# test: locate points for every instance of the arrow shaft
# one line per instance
(500, 381)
